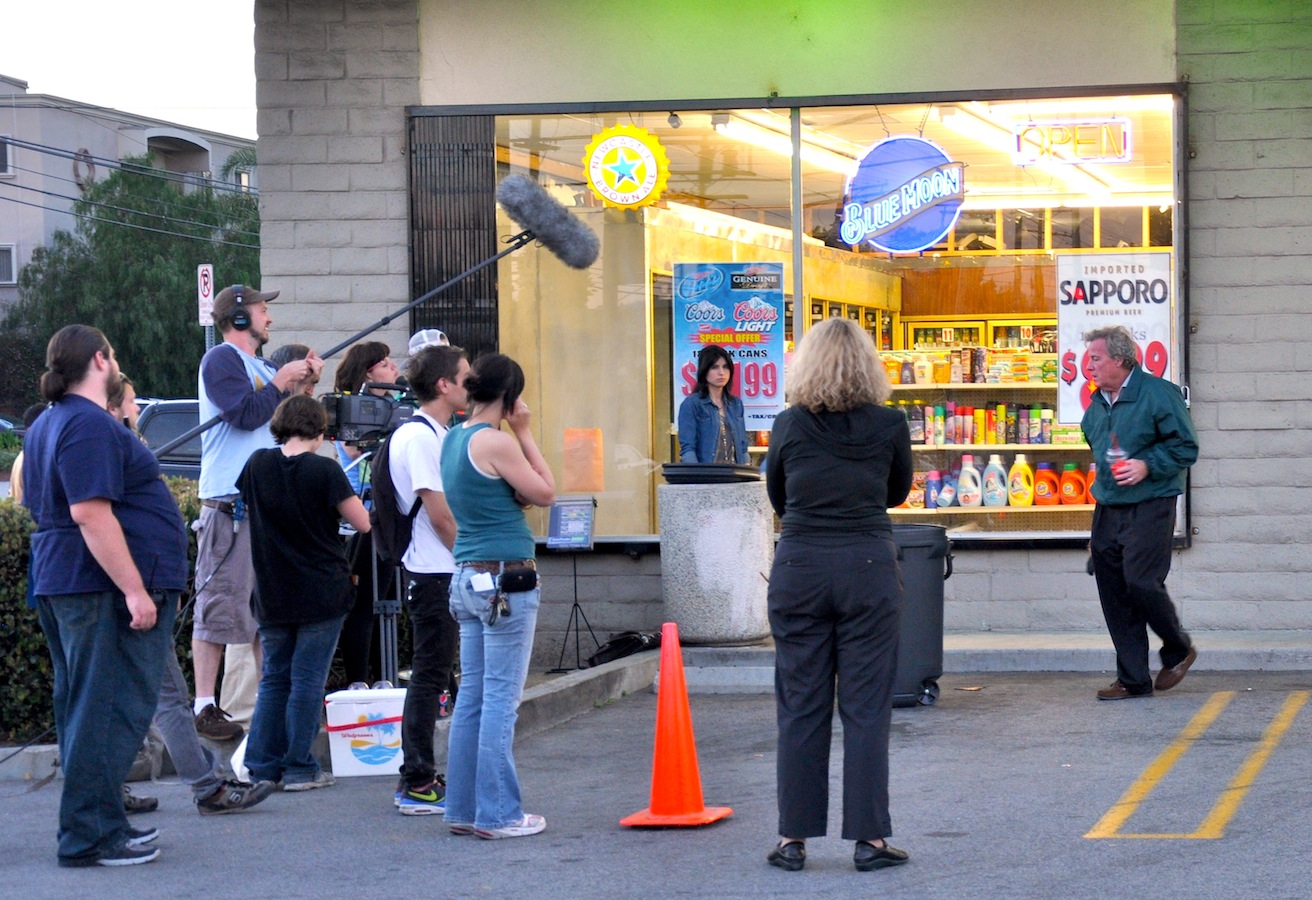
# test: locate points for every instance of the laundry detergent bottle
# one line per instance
(1072, 485)
(970, 490)
(1020, 482)
(1047, 485)
(995, 482)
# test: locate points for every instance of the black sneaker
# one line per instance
(140, 837)
(212, 723)
(133, 804)
(122, 855)
(234, 796)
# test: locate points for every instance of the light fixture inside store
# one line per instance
(674, 120)
(972, 120)
(777, 142)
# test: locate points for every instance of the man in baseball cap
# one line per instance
(426, 337)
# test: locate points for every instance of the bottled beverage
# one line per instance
(969, 484)
(443, 705)
(1072, 485)
(1047, 485)
(1116, 458)
(994, 482)
(933, 487)
(1020, 482)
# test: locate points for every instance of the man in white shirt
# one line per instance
(437, 376)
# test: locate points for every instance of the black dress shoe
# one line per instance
(868, 857)
(790, 856)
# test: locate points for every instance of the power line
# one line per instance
(189, 237)
(172, 220)
(160, 202)
(117, 165)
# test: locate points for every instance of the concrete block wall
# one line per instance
(616, 591)
(333, 79)
(1249, 68)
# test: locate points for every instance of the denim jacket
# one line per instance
(699, 428)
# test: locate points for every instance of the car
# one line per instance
(163, 420)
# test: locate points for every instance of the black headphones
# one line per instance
(240, 317)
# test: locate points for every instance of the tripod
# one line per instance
(576, 615)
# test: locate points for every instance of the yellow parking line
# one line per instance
(1122, 809)
(1213, 826)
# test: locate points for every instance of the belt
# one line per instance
(496, 567)
(222, 506)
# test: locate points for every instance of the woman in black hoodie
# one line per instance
(838, 459)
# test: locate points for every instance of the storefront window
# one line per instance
(973, 307)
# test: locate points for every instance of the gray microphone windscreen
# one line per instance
(525, 201)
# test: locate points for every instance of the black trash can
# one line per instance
(924, 554)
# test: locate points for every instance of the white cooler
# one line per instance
(364, 731)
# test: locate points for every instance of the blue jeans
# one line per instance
(107, 680)
(482, 787)
(176, 721)
(289, 706)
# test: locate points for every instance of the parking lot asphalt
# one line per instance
(1012, 785)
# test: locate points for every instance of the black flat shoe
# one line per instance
(868, 857)
(790, 856)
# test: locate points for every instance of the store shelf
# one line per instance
(758, 450)
(994, 510)
(997, 448)
(1050, 386)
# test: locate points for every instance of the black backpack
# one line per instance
(392, 528)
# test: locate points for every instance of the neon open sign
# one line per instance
(1086, 141)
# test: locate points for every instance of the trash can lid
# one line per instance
(920, 535)
(709, 473)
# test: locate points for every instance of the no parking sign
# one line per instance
(205, 292)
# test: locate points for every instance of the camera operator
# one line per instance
(437, 376)
(243, 390)
(365, 363)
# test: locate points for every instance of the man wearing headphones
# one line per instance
(243, 390)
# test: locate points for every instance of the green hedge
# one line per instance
(26, 685)
(25, 673)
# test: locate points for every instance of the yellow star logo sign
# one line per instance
(626, 166)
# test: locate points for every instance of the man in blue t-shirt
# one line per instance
(109, 560)
(243, 390)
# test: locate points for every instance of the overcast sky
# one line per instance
(180, 60)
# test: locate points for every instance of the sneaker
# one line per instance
(133, 804)
(429, 800)
(460, 828)
(523, 828)
(212, 723)
(322, 780)
(234, 796)
(122, 855)
(140, 837)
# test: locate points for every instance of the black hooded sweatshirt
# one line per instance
(832, 473)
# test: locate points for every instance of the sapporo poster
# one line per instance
(740, 307)
(1098, 290)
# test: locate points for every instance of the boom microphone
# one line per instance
(532, 208)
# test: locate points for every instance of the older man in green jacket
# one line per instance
(1133, 524)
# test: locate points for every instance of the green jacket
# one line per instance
(1152, 424)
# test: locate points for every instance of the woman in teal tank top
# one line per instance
(490, 477)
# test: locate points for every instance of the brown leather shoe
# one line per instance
(1118, 691)
(1169, 678)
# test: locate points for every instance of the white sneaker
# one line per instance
(523, 828)
(323, 779)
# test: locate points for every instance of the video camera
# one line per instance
(364, 419)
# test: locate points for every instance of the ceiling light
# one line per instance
(767, 139)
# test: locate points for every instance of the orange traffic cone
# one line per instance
(676, 783)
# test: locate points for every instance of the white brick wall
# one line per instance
(1249, 66)
(334, 78)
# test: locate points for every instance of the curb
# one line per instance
(543, 706)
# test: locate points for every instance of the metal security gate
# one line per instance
(453, 226)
